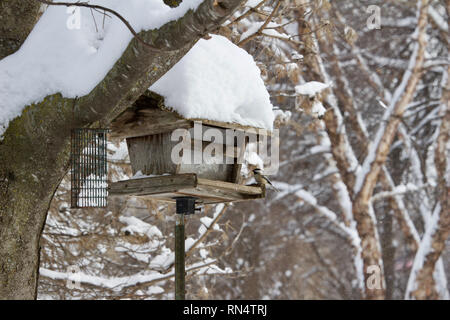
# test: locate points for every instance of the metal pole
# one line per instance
(179, 258)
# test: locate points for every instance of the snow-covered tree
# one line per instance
(36, 123)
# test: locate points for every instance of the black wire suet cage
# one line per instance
(89, 168)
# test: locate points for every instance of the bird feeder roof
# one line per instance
(149, 115)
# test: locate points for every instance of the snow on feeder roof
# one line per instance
(216, 80)
(148, 127)
(216, 84)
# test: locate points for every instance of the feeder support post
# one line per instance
(185, 206)
(179, 258)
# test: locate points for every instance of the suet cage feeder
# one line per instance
(88, 177)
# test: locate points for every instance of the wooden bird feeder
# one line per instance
(147, 127)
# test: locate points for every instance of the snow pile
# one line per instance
(72, 61)
(135, 225)
(139, 251)
(217, 80)
(118, 154)
(252, 3)
(318, 109)
(311, 88)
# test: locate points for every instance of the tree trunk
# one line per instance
(28, 180)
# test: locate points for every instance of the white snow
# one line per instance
(163, 260)
(282, 115)
(115, 283)
(252, 3)
(307, 197)
(268, 30)
(318, 109)
(188, 243)
(140, 175)
(118, 154)
(217, 80)
(72, 62)
(296, 56)
(425, 248)
(155, 290)
(438, 19)
(135, 225)
(311, 88)
(206, 222)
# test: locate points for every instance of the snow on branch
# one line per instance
(120, 283)
(309, 199)
(419, 284)
(437, 19)
(104, 9)
(262, 27)
(427, 263)
(218, 214)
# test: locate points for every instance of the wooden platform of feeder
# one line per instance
(167, 187)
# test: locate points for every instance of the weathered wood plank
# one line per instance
(153, 185)
(136, 122)
(169, 198)
(151, 154)
(165, 188)
(207, 193)
(204, 196)
(232, 125)
(209, 171)
(250, 190)
(236, 176)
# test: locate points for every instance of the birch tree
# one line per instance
(377, 141)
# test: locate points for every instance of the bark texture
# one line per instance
(17, 18)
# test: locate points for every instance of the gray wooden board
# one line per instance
(165, 188)
(151, 154)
